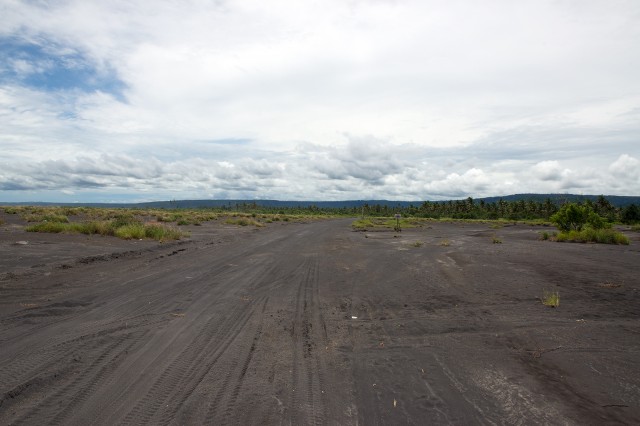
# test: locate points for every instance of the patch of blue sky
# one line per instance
(50, 67)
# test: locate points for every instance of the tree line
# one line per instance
(462, 209)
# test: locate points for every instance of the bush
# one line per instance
(631, 214)
(573, 217)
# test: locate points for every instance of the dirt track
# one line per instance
(316, 324)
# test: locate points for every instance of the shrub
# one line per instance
(631, 214)
(570, 217)
(544, 235)
(635, 228)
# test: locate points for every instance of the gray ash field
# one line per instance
(316, 324)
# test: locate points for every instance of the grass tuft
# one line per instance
(551, 299)
(496, 240)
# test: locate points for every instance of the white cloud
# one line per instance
(335, 99)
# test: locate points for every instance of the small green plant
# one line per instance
(496, 240)
(544, 236)
(445, 243)
(635, 228)
(551, 298)
(417, 244)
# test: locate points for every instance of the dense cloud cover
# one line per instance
(120, 101)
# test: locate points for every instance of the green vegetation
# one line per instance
(417, 244)
(635, 228)
(551, 298)
(574, 217)
(121, 228)
(582, 224)
(630, 214)
(382, 223)
(590, 235)
(243, 221)
(496, 240)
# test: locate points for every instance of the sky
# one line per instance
(121, 101)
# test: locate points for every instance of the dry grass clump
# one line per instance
(445, 243)
(551, 299)
(609, 284)
(243, 221)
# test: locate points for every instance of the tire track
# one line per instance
(76, 390)
(188, 369)
(307, 402)
(227, 397)
(25, 363)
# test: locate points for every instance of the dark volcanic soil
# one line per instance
(316, 324)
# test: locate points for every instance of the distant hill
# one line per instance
(616, 200)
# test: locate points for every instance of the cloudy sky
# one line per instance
(317, 100)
